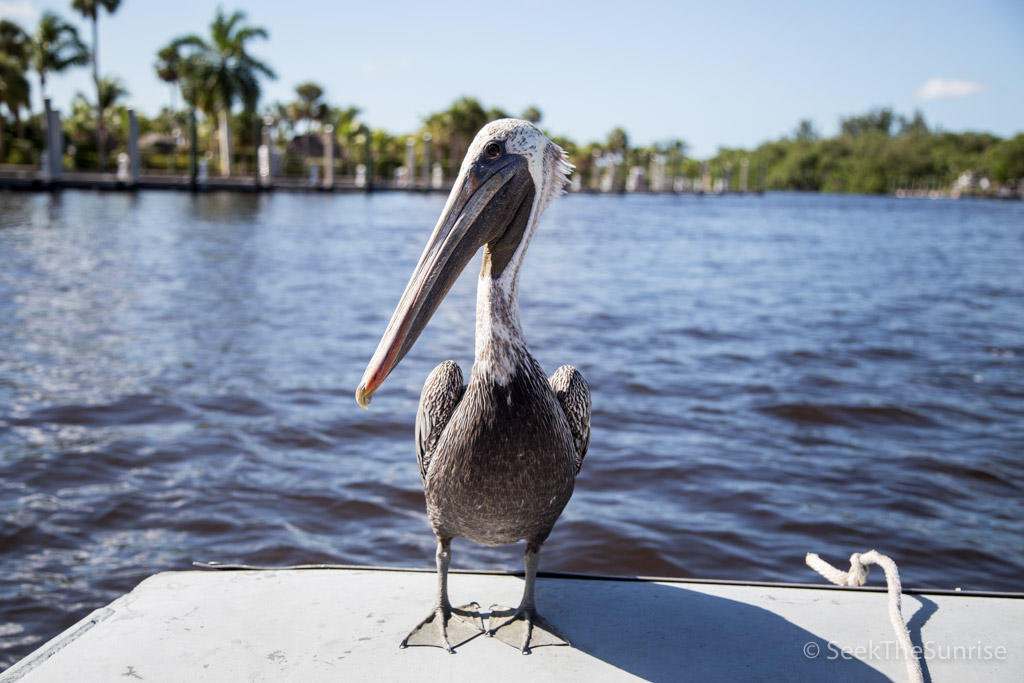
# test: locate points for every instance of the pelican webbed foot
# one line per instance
(523, 628)
(447, 624)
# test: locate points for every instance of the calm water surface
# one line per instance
(770, 376)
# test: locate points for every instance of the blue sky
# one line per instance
(724, 73)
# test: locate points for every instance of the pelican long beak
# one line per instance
(482, 204)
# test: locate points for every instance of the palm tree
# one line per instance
(83, 123)
(220, 71)
(617, 151)
(346, 128)
(495, 113)
(281, 114)
(14, 92)
(13, 41)
(54, 47)
(532, 114)
(14, 86)
(455, 127)
(675, 149)
(111, 90)
(90, 9)
(168, 68)
(308, 108)
(618, 141)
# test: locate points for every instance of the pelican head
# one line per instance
(509, 176)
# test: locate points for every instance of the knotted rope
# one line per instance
(858, 576)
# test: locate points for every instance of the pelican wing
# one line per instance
(574, 395)
(441, 394)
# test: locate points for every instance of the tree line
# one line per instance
(884, 152)
(216, 83)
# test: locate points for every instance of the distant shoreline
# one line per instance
(33, 181)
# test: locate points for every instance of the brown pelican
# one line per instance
(499, 455)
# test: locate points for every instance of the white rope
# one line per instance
(858, 576)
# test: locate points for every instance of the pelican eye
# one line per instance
(492, 151)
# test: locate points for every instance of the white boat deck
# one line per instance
(345, 625)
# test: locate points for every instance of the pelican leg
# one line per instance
(438, 627)
(525, 628)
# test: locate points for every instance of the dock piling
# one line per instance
(328, 157)
(53, 154)
(134, 160)
(427, 144)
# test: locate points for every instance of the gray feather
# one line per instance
(441, 394)
(573, 394)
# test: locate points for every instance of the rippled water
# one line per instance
(769, 376)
